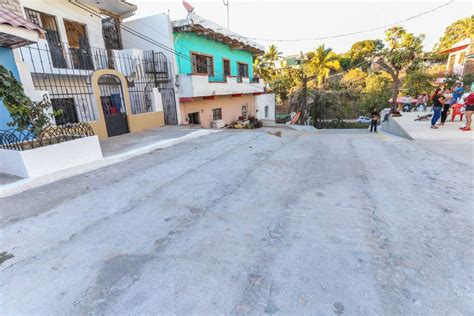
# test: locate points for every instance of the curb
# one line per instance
(30, 183)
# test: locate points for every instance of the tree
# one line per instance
(417, 82)
(354, 79)
(376, 92)
(262, 69)
(362, 50)
(322, 61)
(401, 52)
(25, 114)
(272, 55)
(457, 31)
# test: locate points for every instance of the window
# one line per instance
(266, 111)
(243, 69)
(226, 66)
(48, 23)
(244, 110)
(202, 64)
(462, 56)
(78, 45)
(216, 114)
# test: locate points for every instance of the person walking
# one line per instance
(469, 104)
(438, 102)
(447, 99)
(374, 121)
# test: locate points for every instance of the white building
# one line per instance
(92, 71)
(460, 57)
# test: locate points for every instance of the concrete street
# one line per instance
(243, 222)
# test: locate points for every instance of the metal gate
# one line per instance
(169, 103)
(113, 105)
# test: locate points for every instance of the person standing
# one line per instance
(438, 102)
(447, 99)
(374, 121)
(458, 91)
(469, 104)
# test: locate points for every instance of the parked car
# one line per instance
(363, 119)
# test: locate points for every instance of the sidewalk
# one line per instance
(406, 126)
(114, 150)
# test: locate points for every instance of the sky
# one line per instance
(284, 20)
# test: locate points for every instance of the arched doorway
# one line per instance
(113, 105)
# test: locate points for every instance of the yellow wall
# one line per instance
(136, 122)
(231, 108)
(139, 122)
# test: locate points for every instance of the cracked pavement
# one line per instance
(243, 222)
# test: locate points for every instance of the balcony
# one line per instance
(62, 59)
(191, 86)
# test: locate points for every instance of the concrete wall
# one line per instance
(49, 159)
(185, 43)
(158, 27)
(262, 101)
(8, 61)
(393, 127)
(198, 86)
(231, 108)
(12, 5)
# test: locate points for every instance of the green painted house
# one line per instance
(216, 80)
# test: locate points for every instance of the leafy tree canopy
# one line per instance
(457, 31)
(354, 79)
(363, 50)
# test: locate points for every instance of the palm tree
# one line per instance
(323, 60)
(272, 56)
(261, 68)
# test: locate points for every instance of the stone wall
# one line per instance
(12, 5)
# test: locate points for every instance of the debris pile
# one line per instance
(249, 123)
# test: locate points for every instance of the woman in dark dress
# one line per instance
(438, 102)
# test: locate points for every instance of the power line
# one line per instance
(351, 33)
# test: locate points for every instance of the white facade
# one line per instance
(157, 28)
(191, 86)
(50, 159)
(265, 108)
(65, 10)
(457, 57)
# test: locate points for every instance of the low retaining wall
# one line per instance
(44, 160)
(391, 126)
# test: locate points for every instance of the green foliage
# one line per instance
(403, 49)
(376, 92)
(283, 82)
(25, 114)
(417, 82)
(345, 61)
(272, 56)
(364, 50)
(457, 31)
(354, 79)
(468, 79)
(262, 69)
(322, 61)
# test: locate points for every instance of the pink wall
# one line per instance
(231, 108)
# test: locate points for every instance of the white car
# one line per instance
(364, 119)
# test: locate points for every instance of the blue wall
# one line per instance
(8, 61)
(187, 42)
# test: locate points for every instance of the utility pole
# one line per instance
(226, 3)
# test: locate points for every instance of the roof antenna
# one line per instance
(226, 3)
(188, 8)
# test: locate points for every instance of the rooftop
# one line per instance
(201, 26)
(16, 31)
